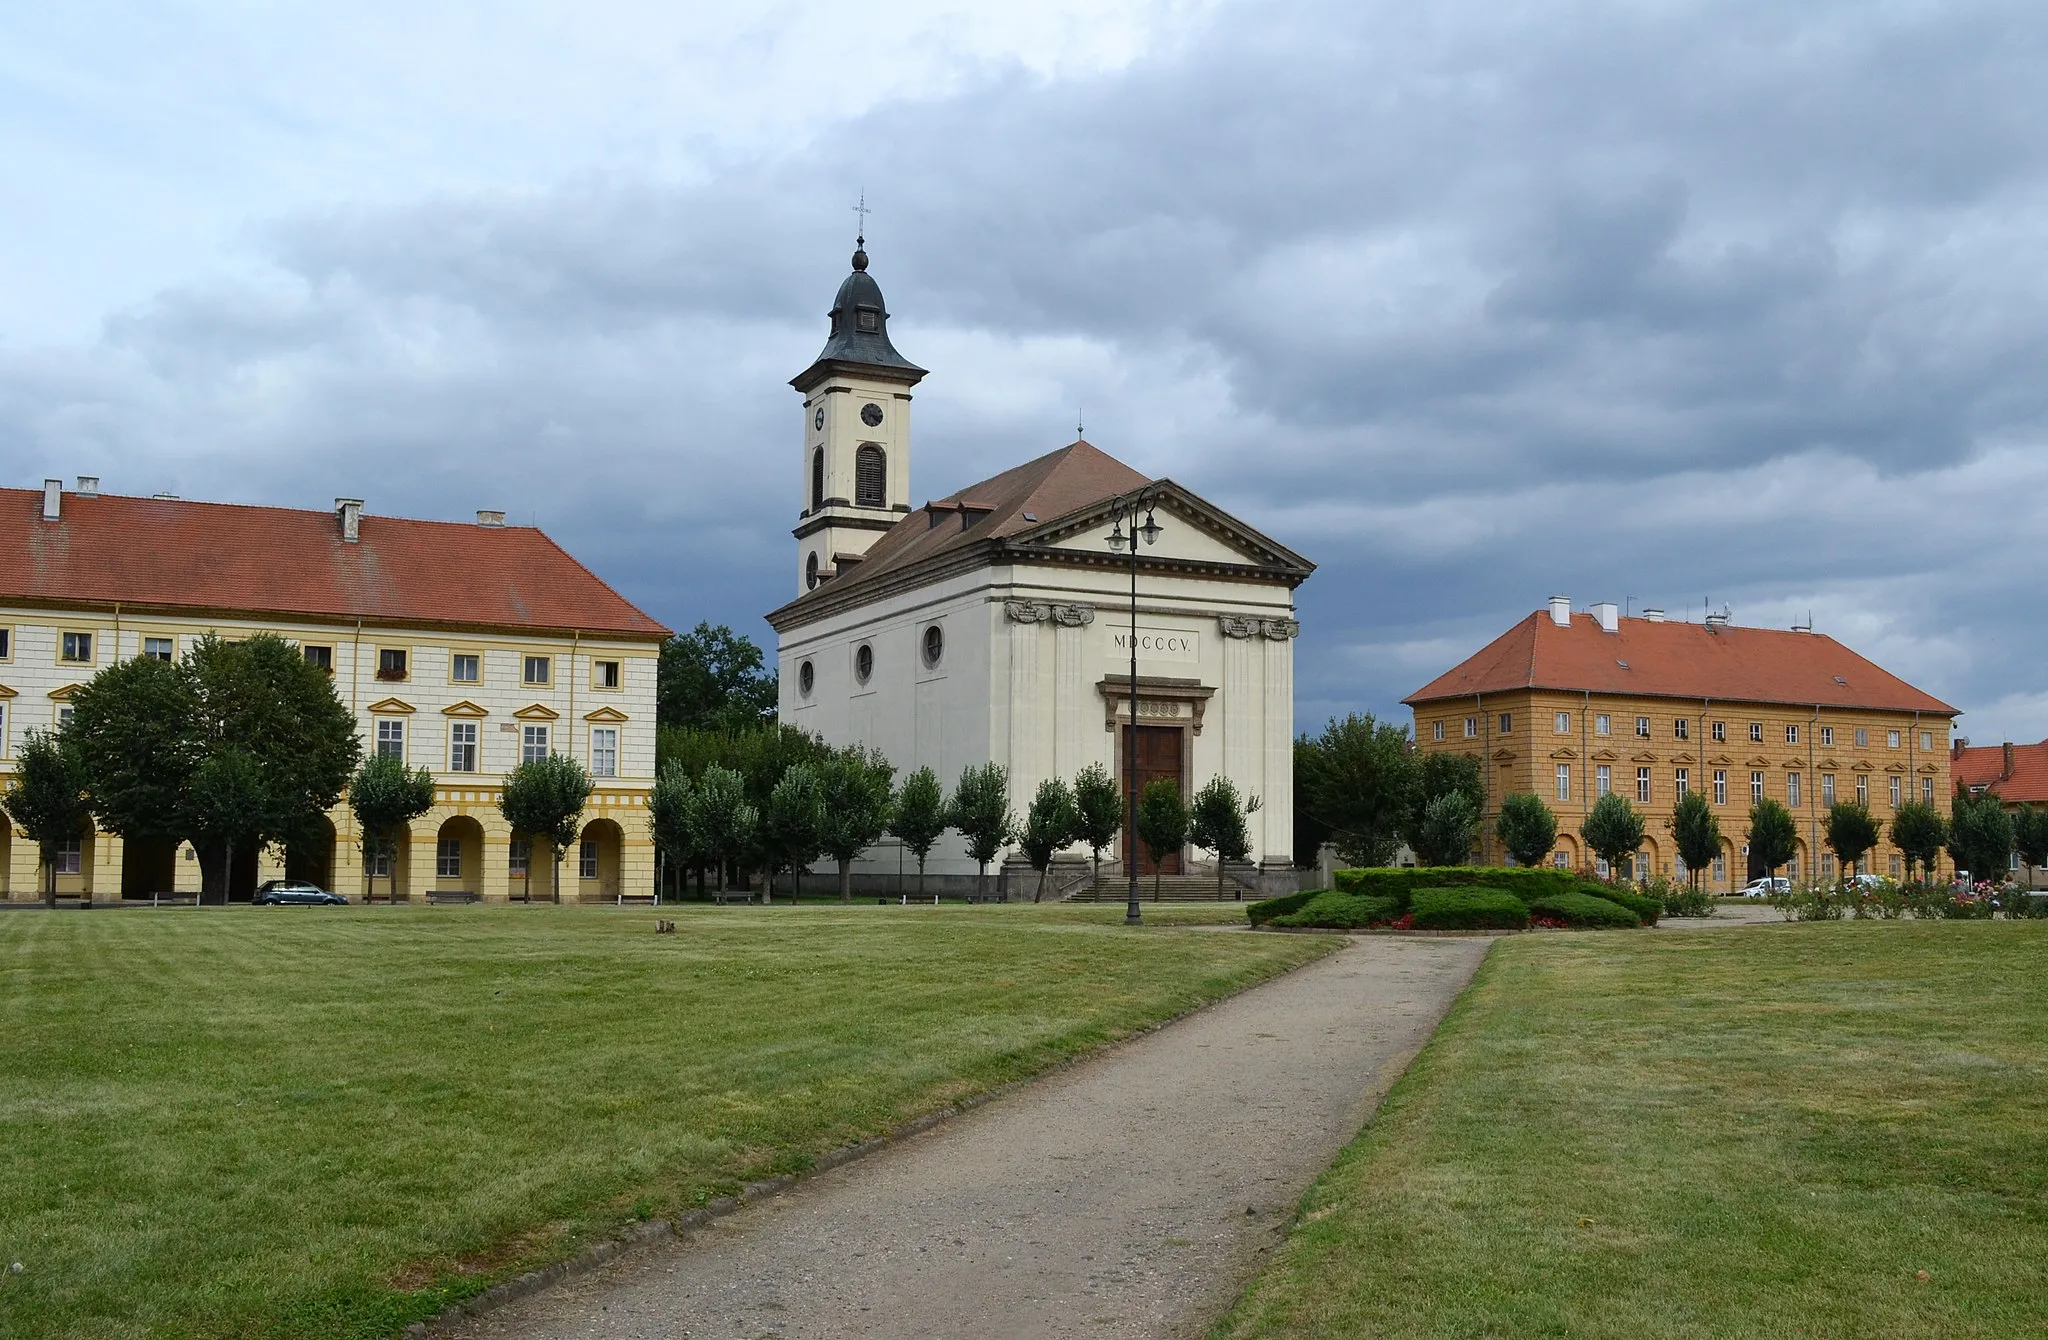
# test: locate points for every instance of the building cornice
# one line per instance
(137, 609)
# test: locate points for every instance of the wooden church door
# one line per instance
(1161, 751)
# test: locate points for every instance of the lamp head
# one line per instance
(1150, 530)
(1116, 537)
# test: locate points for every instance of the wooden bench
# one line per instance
(647, 898)
(438, 896)
(724, 896)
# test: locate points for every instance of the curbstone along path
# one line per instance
(1130, 1195)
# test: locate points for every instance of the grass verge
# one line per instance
(332, 1122)
(1833, 1130)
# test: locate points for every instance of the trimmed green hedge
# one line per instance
(1646, 908)
(1341, 911)
(1525, 882)
(1583, 909)
(1468, 909)
(1261, 912)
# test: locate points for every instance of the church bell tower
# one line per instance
(856, 453)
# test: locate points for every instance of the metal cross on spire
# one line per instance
(862, 211)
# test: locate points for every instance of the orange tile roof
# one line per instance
(1984, 765)
(1678, 660)
(228, 558)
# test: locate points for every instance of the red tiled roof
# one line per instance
(1984, 765)
(1678, 660)
(171, 554)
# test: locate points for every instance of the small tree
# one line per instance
(671, 817)
(1919, 832)
(981, 811)
(385, 796)
(1526, 827)
(1697, 834)
(1439, 774)
(544, 798)
(858, 796)
(1049, 824)
(792, 827)
(1850, 833)
(1360, 777)
(227, 798)
(2030, 837)
(723, 817)
(1162, 824)
(1099, 810)
(46, 800)
(1443, 832)
(1980, 836)
(1217, 820)
(919, 817)
(1773, 835)
(1614, 831)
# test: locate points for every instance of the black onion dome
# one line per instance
(860, 329)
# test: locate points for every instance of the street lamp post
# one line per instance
(1128, 508)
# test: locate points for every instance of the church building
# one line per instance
(995, 624)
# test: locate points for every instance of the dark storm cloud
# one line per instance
(1470, 302)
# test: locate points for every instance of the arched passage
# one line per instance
(149, 866)
(310, 860)
(596, 860)
(459, 856)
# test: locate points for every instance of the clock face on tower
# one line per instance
(818, 419)
(871, 415)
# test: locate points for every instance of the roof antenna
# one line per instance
(862, 211)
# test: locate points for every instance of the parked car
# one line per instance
(1763, 886)
(1866, 883)
(280, 892)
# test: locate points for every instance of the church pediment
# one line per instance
(1191, 531)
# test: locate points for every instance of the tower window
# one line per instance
(806, 678)
(811, 570)
(868, 320)
(864, 663)
(870, 476)
(934, 644)
(817, 479)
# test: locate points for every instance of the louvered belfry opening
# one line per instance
(870, 477)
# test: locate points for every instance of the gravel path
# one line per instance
(1127, 1196)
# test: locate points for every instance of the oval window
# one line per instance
(864, 662)
(934, 644)
(811, 570)
(806, 678)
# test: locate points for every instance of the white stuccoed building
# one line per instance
(995, 623)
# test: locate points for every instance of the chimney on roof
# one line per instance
(1958, 745)
(53, 499)
(1653, 616)
(2005, 772)
(88, 486)
(485, 517)
(1609, 615)
(1561, 611)
(350, 510)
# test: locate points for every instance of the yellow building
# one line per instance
(1572, 706)
(463, 649)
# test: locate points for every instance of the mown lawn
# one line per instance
(1830, 1130)
(330, 1122)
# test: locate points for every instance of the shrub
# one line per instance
(1525, 882)
(1341, 911)
(1647, 907)
(1260, 913)
(1582, 909)
(1467, 908)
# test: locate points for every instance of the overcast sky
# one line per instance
(1472, 303)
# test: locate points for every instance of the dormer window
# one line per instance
(868, 320)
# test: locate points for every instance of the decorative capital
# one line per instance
(1236, 626)
(1280, 629)
(1026, 611)
(1074, 616)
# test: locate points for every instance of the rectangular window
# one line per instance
(3, 732)
(1926, 790)
(1559, 860)
(604, 674)
(1721, 868)
(1891, 739)
(1792, 869)
(518, 854)
(319, 657)
(1564, 781)
(63, 716)
(1642, 867)
(1895, 867)
(1437, 730)
(1720, 786)
(157, 648)
(1926, 742)
(1471, 728)
(1792, 789)
(1862, 789)
(6, 644)
(1756, 731)
(1756, 787)
(391, 663)
(466, 668)
(1681, 729)
(1827, 788)
(1895, 793)
(1643, 785)
(586, 860)
(1827, 866)
(1507, 723)
(1563, 724)
(533, 744)
(1863, 737)
(1600, 866)
(1643, 727)
(448, 859)
(462, 746)
(1681, 782)
(604, 752)
(70, 857)
(76, 649)
(1603, 724)
(1791, 735)
(1827, 734)
(537, 670)
(391, 738)
(1603, 779)
(1720, 732)
(378, 861)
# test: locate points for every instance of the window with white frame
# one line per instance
(1437, 730)
(6, 644)
(1681, 729)
(604, 751)
(1642, 867)
(1827, 735)
(1643, 727)
(3, 730)
(70, 856)
(1792, 734)
(1862, 789)
(465, 667)
(1564, 781)
(1863, 737)
(448, 858)
(63, 715)
(1720, 732)
(1507, 723)
(377, 865)
(1603, 724)
(1720, 786)
(1721, 868)
(1792, 869)
(76, 649)
(1643, 786)
(391, 737)
(1562, 723)
(1926, 790)
(320, 657)
(1756, 732)
(533, 744)
(1600, 866)
(462, 746)
(586, 861)
(158, 648)
(1827, 788)
(1895, 793)
(1895, 865)
(1471, 728)
(1926, 742)
(517, 855)
(1681, 782)
(1603, 779)
(1891, 739)
(604, 674)
(1756, 787)
(537, 670)
(1792, 780)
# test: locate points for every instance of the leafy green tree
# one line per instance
(712, 678)
(1980, 836)
(725, 819)
(1850, 833)
(671, 819)
(858, 804)
(544, 798)
(46, 799)
(1310, 832)
(1439, 773)
(1099, 808)
(1361, 779)
(1443, 833)
(980, 809)
(1613, 831)
(792, 827)
(385, 796)
(1773, 835)
(1050, 823)
(920, 818)
(1526, 827)
(1218, 820)
(136, 730)
(1697, 834)
(1162, 824)
(2030, 837)
(1919, 832)
(227, 798)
